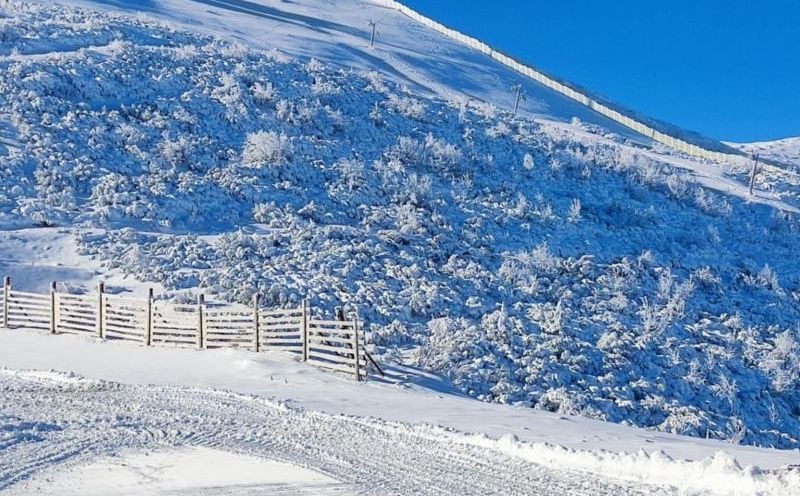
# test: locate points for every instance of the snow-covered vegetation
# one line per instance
(530, 266)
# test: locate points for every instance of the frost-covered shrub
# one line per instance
(406, 106)
(263, 93)
(527, 162)
(574, 214)
(266, 148)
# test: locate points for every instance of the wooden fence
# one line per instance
(331, 344)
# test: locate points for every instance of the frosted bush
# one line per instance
(323, 87)
(374, 81)
(499, 130)
(574, 214)
(314, 66)
(375, 115)
(233, 50)
(263, 93)
(441, 154)
(706, 277)
(406, 106)
(266, 148)
(186, 52)
(527, 162)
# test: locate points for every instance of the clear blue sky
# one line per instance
(727, 69)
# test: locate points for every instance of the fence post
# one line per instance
(304, 333)
(355, 348)
(200, 302)
(53, 307)
(753, 175)
(257, 342)
(148, 326)
(100, 317)
(6, 293)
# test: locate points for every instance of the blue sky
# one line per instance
(727, 69)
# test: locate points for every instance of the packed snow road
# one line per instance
(50, 422)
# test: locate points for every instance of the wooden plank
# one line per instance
(331, 366)
(28, 314)
(231, 335)
(241, 338)
(75, 330)
(281, 325)
(125, 313)
(284, 349)
(286, 335)
(29, 306)
(270, 313)
(85, 319)
(330, 358)
(123, 335)
(279, 342)
(333, 349)
(124, 299)
(123, 327)
(330, 323)
(24, 294)
(175, 307)
(77, 310)
(177, 332)
(317, 339)
(189, 340)
(229, 328)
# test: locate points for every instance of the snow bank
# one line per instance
(719, 474)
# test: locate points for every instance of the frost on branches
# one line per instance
(529, 265)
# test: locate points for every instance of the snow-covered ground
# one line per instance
(554, 261)
(785, 151)
(198, 471)
(388, 436)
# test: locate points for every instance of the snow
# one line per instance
(554, 263)
(335, 417)
(196, 470)
(668, 300)
(785, 151)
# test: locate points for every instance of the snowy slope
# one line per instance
(785, 151)
(375, 438)
(549, 265)
(337, 32)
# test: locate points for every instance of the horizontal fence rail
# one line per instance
(336, 345)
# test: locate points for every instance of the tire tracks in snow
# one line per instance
(88, 419)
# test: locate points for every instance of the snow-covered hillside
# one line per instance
(567, 266)
(785, 151)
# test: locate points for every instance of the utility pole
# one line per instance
(753, 174)
(372, 38)
(520, 95)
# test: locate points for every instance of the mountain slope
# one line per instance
(785, 151)
(546, 265)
